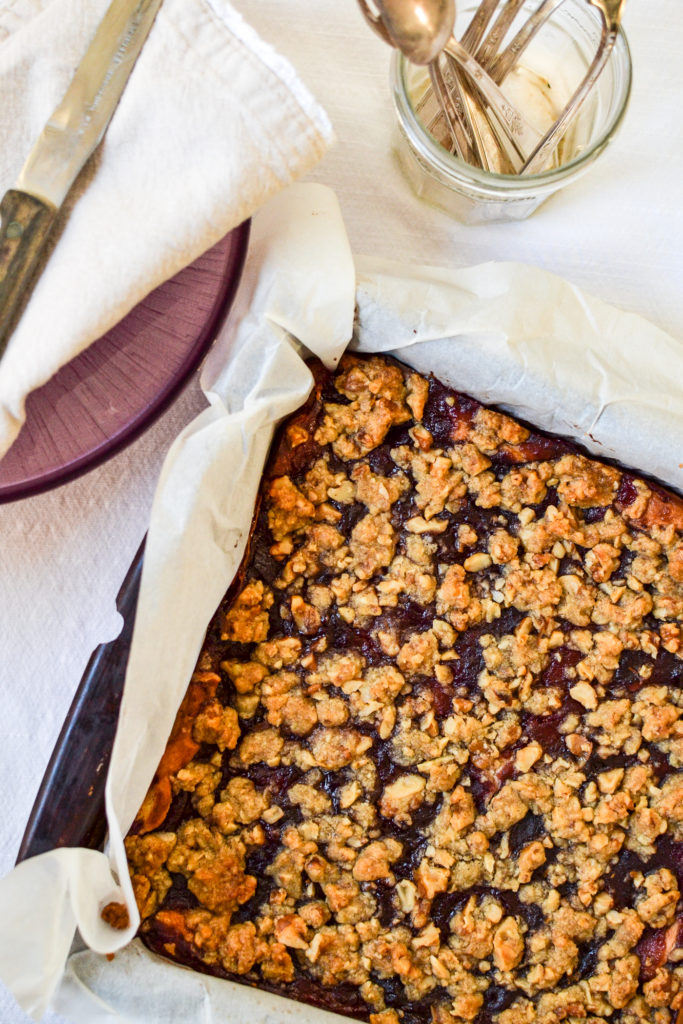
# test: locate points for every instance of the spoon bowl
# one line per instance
(418, 28)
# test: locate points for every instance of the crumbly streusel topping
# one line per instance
(430, 765)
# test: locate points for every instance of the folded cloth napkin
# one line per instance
(212, 123)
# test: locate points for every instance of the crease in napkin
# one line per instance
(564, 361)
(213, 122)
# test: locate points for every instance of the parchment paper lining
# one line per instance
(508, 334)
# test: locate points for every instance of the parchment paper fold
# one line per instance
(508, 334)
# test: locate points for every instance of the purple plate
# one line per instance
(116, 388)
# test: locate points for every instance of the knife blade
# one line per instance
(28, 211)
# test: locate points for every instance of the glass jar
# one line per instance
(560, 54)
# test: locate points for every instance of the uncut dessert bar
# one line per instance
(429, 767)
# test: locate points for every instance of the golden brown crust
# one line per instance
(180, 750)
(430, 767)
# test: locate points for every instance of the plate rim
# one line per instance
(116, 443)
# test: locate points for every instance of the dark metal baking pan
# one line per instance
(69, 807)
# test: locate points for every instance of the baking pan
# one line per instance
(69, 807)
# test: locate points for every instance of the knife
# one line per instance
(28, 211)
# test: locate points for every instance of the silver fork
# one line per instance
(501, 65)
(502, 160)
(523, 137)
(612, 11)
(487, 147)
(484, 47)
(486, 53)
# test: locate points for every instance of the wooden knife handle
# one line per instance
(25, 224)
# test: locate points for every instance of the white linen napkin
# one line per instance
(212, 123)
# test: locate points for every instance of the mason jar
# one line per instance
(558, 56)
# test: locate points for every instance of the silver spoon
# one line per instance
(418, 28)
(421, 29)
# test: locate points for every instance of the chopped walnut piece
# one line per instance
(373, 543)
(530, 858)
(502, 547)
(492, 428)
(375, 860)
(508, 945)
(419, 654)
(416, 399)
(506, 808)
(217, 724)
(584, 482)
(116, 916)
(247, 619)
(214, 867)
(289, 510)
(334, 748)
(578, 600)
(602, 561)
(657, 908)
(584, 694)
(401, 797)
(291, 931)
(526, 757)
(456, 815)
(578, 745)
(264, 745)
(431, 879)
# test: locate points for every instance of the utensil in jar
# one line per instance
(522, 135)
(502, 64)
(418, 28)
(611, 11)
(422, 29)
(28, 211)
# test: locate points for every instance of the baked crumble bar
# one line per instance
(430, 764)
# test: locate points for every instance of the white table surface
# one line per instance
(618, 233)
